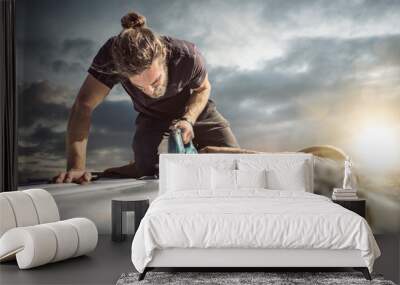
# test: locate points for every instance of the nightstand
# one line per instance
(357, 206)
(118, 207)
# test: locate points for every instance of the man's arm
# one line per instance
(90, 95)
(196, 104)
(197, 101)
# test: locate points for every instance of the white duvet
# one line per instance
(250, 219)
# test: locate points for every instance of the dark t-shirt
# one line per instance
(186, 71)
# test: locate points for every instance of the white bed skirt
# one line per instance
(235, 257)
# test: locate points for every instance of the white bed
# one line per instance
(200, 219)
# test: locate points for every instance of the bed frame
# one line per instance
(246, 259)
(240, 259)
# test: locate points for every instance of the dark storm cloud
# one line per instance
(187, 18)
(61, 66)
(46, 104)
(54, 60)
(43, 121)
(202, 21)
(320, 71)
(44, 141)
(40, 50)
(38, 103)
(45, 155)
(65, 19)
(43, 117)
(311, 66)
(79, 53)
(45, 50)
(115, 116)
(366, 10)
(79, 48)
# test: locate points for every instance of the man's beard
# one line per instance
(160, 90)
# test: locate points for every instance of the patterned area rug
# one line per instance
(242, 278)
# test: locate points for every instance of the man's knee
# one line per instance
(218, 136)
(228, 139)
(145, 167)
(148, 170)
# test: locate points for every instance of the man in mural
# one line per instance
(168, 83)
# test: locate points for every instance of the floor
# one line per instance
(102, 266)
(110, 260)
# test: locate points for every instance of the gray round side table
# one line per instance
(118, 207)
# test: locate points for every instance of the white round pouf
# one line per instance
(7, 220)
(67, 240)
(40, 244)
(30, 230)
(23, 208)
(45, 205)
(87, 232)
(33, 246)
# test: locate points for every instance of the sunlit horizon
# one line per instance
(377, 146)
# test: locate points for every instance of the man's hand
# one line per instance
(187, 130)
(125, 171)
(73, 176)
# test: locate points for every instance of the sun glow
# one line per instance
(377, 146)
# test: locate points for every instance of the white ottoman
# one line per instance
(31, 232)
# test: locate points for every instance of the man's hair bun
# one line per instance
(133, 20)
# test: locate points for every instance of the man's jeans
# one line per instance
(151, 138)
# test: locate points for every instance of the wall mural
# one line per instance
(288, 75)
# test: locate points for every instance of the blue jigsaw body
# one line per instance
(175, 143)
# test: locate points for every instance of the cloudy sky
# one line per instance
(286, 74)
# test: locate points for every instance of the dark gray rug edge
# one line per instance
(273, 278)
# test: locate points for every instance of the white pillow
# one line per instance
(223, 179)
(251, 178)
(281, 175)
(230, 180)
(288, 178)
(184, 177)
